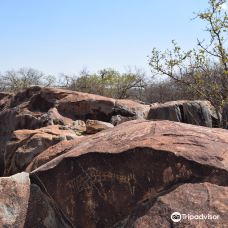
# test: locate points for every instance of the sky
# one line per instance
(66, 36)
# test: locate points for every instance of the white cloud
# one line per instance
(224, 6)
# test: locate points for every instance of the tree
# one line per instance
(204, 69)
(167, 90)
(15, 81)
(108, 82)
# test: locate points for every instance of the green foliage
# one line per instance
(108, 82)
(204, 69)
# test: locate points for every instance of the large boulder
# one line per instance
(23, 203)
(83, 106)
(24, 145)
(192, 201)
(192, 112)
(103, 177)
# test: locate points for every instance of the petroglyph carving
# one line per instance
(93, 177)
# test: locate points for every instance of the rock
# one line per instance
(225, 116)
(192, 199)
(104, 177)
(89, 106)
(14, 198)
(191, 112)
(24, 97)
(24, 145)
(166, 111)
(26, 204)
(56, 118)
(94, 126)
(129, 108)
(5, 100)
(49, 106)
(38, 107)
(53, 152)
(126, 110)
(83, 106)
(79, 125)
(118, 119)
(9, 121)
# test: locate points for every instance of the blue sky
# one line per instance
(57, 36)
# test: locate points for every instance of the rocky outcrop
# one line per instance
(24, 145)
(37, 107)
(83, 106)
(26, 204)
(192, 112)
(84, 172)
(135, 161)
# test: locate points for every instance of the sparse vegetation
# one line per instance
(203, 70)
(108, 82)
(14, 81)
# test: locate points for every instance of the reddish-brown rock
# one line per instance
(195, 200)
(24, 145)
(38, 107)
(105, 176)
(52, 152)
(23, 203)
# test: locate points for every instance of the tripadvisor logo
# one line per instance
(176, 216)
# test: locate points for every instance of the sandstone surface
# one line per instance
(134, 162)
